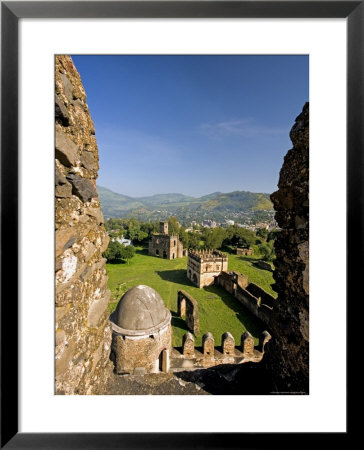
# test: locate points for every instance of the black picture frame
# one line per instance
(11, 12)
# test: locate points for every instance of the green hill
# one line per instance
(216, 205)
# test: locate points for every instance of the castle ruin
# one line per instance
(204, 265)
(246, 251)
(165, 246)
(142, 339)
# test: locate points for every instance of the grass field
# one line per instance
(218, 310)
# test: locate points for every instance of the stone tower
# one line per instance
(204, 265)
(163, 228)
(164, 246)
(289, 353)
(82, 329)
(141, 336)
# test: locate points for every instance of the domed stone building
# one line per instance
(141, 332)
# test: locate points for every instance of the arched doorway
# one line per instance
(182, 308)
(164, 361)
(164, 254)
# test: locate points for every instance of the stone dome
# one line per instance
(140, 310)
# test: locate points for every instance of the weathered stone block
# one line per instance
(88, 160)
(63, 362)
(68, 87)
(188, 345)
(64, 239)
(247, 344)
(228, 344)
(208, 345)
(61, 112)
(64, 191)
(66, 149)
(97, 310)
(60, 337)
(83, 188)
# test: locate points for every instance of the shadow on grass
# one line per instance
(231, 379)
(116, 261)
(142, 251)
(178, 322)
(247, 259)
(178, 276)
(251, 323)
(257, 266)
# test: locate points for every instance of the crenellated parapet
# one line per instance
(206, 255)
(204, 265)
(209, 355)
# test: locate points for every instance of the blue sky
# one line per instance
(192, 124)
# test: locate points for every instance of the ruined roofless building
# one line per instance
(164, 246)
(204, 265)
(141, 332)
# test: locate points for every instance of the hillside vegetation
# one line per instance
(216, 204)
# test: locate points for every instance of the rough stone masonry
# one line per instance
(83, 332)
(288, 355)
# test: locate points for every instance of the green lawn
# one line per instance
(218, 310)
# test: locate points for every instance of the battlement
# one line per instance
(204, 265)
(207, 255)
(190, 357)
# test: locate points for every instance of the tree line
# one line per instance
(201, 238)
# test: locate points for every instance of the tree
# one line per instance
(194, 240)
(262, 232)
(213, 237)
(127, 252)
(267, 251)
(173, 226)
(273, 234)
(113, 251)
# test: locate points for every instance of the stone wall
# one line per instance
(83, 332)
(288, 356)
(188, 308)
(253, 297)
(141, 354)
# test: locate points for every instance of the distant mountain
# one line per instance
(162, 199)
(215, 206)
(116, 205)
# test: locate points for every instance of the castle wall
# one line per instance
(289, 358)
(187, 306)
(140, 354)
(254, 298)
(82, 330)
(258, 292)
